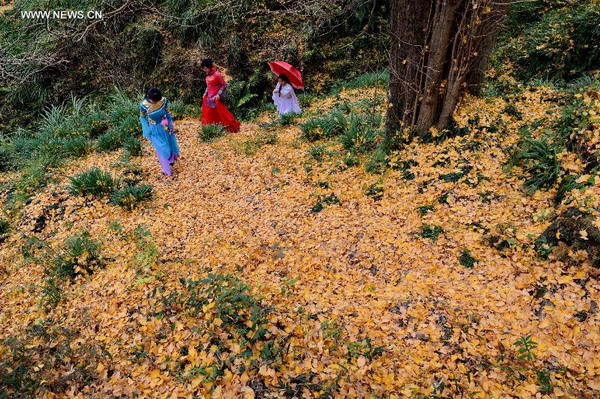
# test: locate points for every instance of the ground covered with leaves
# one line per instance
(275, 265)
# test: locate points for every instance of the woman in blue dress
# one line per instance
(157, 126)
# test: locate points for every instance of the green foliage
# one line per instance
(557, 39)
(366, 349)
(544, 381)
(372, 79)
(210, 132)
(377, 162)
(94, 182)
(318, 152)
(132, 147)
(323, 200)
(538, 159)
(131, 196)
(543, 247)
(361, 134)
(431, 232)
(525, 347)
(424, 209)
(80, 254)
(234, 305)
(249, 147)
(375, 191)
(328, 126)
(466, 259)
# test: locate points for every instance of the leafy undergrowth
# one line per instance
(266, 268)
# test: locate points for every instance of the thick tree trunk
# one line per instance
(439, 47)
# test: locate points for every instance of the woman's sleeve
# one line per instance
(144, 122)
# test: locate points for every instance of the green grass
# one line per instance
(466, 259)
(211, 132)
(538, 159)
(431, 232)
(94, 182)
(132, 147)
(80, 254)
(130, 197)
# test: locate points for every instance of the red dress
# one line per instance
(214, 111)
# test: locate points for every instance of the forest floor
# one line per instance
(405, 284)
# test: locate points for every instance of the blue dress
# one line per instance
(157, 126)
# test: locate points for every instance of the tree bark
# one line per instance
(439, 48)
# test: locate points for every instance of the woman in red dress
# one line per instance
(214, 111)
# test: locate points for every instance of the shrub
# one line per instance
(249, 147)
(210, 132)
(233, 304)
(288, 119)
(361, 134)
(93, 182)
(372, 79)
(539, 160)
(558, 42)
(130, 196)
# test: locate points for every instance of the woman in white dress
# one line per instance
(284, 97)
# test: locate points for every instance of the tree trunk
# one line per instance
(439, 48)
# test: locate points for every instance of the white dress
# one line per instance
(286, 100)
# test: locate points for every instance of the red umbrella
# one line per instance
(294, 75)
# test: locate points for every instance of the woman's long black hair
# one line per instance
(206, 63)
(285, 79)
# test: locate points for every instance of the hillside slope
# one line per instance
(414, 283)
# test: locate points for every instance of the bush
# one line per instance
(210, 132)
(130, 196)
(556, 42)
(93, 182)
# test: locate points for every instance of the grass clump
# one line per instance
(94, 182)
(317, 152)
(4, 230)
(538, 159)
(425, 209)
(375, 191)
(211, 132)
(466, 259)
(132, 147)
(131, 196)
(323, 200)
(326, 127)
(80, 254)
(431, 232)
